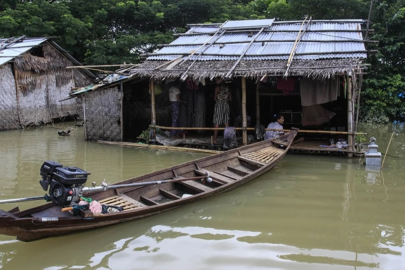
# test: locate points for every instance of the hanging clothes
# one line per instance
(318, 92)
(221, 109)
(315, 115)
(286, 85)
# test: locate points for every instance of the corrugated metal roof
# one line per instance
(277, 42)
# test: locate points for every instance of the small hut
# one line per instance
(35, 82)
(310, 71)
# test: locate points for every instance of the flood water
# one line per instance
(309, 212)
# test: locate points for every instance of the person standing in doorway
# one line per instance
(221, 109)
(278, 124)
(174, 97)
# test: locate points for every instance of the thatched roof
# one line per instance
(254, 48)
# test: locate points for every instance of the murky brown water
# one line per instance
(309, 212)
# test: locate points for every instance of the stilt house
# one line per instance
(310, 71)
(34, 82)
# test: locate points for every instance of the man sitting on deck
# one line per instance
(270, 134)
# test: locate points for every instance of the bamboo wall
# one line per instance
(103, 114)
(8, 105)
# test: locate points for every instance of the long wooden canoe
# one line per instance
(228, 170)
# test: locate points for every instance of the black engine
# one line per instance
(65, 183)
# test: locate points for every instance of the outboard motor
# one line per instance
(65, 183)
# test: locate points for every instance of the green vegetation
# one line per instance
(117, 31)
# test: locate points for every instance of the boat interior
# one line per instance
(223, 169)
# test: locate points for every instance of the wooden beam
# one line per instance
(96, 66)
(281, 54)
(267, 129)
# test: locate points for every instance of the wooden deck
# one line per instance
(314, 147)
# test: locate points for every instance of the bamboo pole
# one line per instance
(298, 38)
(161, 147)
(244, 122)
(350, 115)
(228, 75)
(84, 116)
(258, 103)
(386, 151)
(267, 129)
(17, 95)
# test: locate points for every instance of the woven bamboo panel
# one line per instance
(8, 102)
(265, 155)
(119, 201)
(103, 115)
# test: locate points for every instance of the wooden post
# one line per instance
(244, 123)
(350, 115)
(122, 111)
(153, 106)
(257, 103)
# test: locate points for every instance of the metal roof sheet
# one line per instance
(202, 29)
(4, 60)
(245, 37)
(9, 51)
(247, 24)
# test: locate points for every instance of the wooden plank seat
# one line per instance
(194, 185)
(219, 178)
(238, 171)
(262, 156)
(229, 174)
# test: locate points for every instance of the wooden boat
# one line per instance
(227, 170)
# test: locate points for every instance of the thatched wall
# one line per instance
(42, 81)
(8, 105)
(103, 114)
(317, 69)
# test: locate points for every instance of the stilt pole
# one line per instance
(153, 108)
(350, 115)
(244, 124)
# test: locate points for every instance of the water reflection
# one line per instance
(309, 212)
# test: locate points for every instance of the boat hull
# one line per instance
(47, 220)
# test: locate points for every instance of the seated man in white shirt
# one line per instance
(275, 125)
